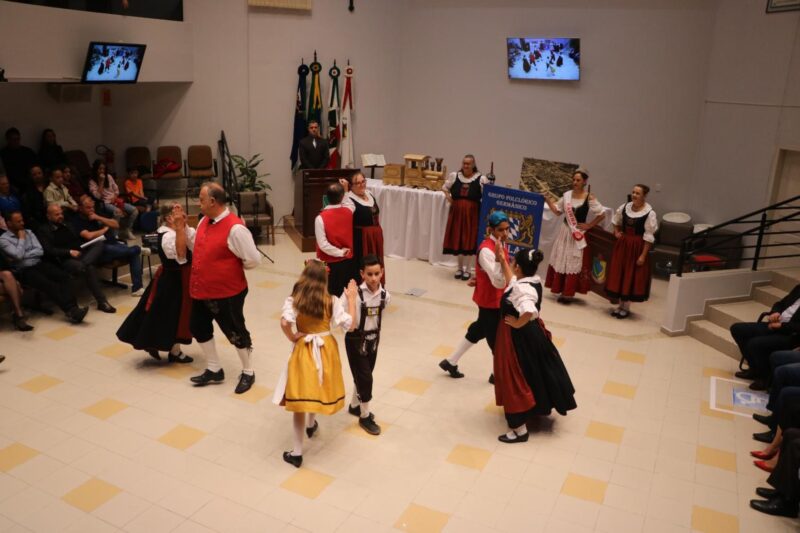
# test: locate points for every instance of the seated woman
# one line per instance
(530, 377)
(160, 321)
(104, 188)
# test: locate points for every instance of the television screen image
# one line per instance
(544, 59)
(113, 63)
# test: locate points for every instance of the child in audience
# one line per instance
(134, 192)
(312, 381)
(362, 342)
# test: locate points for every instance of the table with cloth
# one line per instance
(413, 223)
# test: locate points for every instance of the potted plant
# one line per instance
(247, 176)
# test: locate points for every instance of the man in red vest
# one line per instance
(489, 283)
(333, 229)
(223, 249)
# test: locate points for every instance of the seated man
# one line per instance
(33, 203)
(89, 225)
(22, 249)
(63, 246)
(9, 201)
(784, 498)
(757, 340)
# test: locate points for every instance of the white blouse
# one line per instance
(451, 179)
(650, 225)
(523, 296)
(351, 198)
(595, 207)
(340, 319)
(168, 242)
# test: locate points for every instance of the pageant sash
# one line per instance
(572, 222)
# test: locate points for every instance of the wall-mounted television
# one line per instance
(544, 59)
(112, 63)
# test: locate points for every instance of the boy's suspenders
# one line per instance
(369, 341)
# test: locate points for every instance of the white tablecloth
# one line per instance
(414, 220)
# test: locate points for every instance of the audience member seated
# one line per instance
(17, 159)
(782, 500)
(89, 225)
(134, 192)
(3, 226)
(72, 181)
(757, 340)
(33, 202)
(51, 155)
(25, 253)
(62, 245)
(57, 193)
(104, 188)
(11, 289)
(9, 201)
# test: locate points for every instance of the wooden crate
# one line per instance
(393, 174)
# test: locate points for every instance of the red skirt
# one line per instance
(461, 233)
(626, 280)
(372, 243)
(511, 390)
(569, 284)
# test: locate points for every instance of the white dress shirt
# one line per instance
(322, 238)
(168, 242)
(372, 299)
(340, 319)
(489, 264)
(523, 296)
(241, 244)
(789, 312)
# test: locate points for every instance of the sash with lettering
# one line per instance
(572, 222)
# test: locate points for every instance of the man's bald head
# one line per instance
(55, 214)
(213, 199)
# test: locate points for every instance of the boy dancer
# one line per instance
(362, 342)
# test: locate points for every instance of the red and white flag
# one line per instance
(346, 147)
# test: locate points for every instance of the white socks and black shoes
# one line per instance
(519, 434)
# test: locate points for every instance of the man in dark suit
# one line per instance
(757, 340)
(313, 150)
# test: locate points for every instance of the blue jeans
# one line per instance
(118, 250)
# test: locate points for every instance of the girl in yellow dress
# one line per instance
(312, 381)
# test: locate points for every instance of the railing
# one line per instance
(229, 182)
(762, 221)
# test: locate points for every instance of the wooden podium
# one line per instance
(601, 244)
(309, 188)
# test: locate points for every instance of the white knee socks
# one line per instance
(212, 358)
(354, 401)
(364, 409)
(244, 355)
(463, 346)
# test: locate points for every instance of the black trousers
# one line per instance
(52, 281)
(228, 313)
(485, 327)
(784, 478)
(340, 275)
(84, 266)
(756, 342)
(362, 363)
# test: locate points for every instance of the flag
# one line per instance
(346, 147)
(299, 112)
(334, 133)
(315, 94)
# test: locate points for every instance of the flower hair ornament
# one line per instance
(530, 254)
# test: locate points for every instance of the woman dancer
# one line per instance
(570, 261)
(367, 232)
(635, 224)
(312, 381)
(530, 377)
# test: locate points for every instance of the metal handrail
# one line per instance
(690, 248)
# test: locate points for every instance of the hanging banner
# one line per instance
(315, 94)
(524, 210)
(299, 113)
(346, 148)
(334, 131)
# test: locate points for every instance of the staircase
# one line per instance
(713, 327)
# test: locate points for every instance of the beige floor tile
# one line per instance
(705, 410)
(626, 499)
(716, 458)
(615, 520)
(307, 482)
(91, 494)
(62, 333)
(154, 520)
(710, 521)
(412, 385)
(116, 350)
(182, 437)
(717, 372)
(254, 395)
(443, 350)
(621, 390)
(105, 409)
(633, 478)
(469, 456)
(605, 432)
(420, 519)
(178, 372)
(121, 509)
(38, 468)
(631, 357)
(576, 511)
(40, 384)
(585, 488)
(268, 285)
(14, 455)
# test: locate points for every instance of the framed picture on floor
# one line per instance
(778, 6)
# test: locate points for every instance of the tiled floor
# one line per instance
(97, 437)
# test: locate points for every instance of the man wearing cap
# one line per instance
(489, 283)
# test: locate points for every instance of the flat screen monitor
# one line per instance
(113, 63)
(544, 59)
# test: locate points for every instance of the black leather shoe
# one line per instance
(767, 420)
(20, 323)
(765, 492)
(368, 424)
(77, 314)
(294, 460)
(777, 506)
(517, 438)
(154, 354)
(465, 276)
(245, 382)
(491, 378)
(457, 275)
(758, 385)
(766, 437)
(355, 411)
(2, 358)
(450, 368)
(745, 374)
(208, 377)
(312, 430)
(106, 307)
(180, 358)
